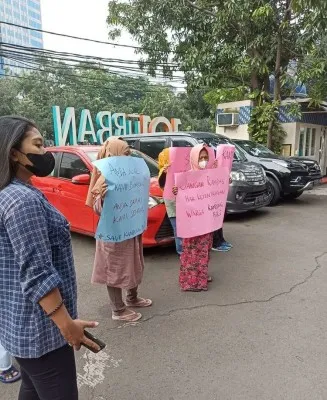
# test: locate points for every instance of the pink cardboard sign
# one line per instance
(225, 156)
(179, 160)
(201, 201)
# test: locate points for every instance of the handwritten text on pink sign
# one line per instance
(179, 160)
(201, 201)
(225, 155)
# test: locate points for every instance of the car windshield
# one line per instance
(152, 165)
(92, 155)
(213, 141)
(255, 149)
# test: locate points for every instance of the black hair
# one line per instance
(12, 132)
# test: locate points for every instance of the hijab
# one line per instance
(111, 148)
(195, 154)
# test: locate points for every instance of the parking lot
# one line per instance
(258, 333)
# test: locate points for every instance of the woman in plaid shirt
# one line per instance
(38, 296)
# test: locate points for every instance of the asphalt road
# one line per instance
(258, 333)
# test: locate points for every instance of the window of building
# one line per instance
(36, 43)
(301, 142)
(34, 24)
(307, 142)
(34, 15)
(33, 4)
(71, 166)
(313, 142)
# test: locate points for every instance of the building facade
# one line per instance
(18, 12)
(306, 137)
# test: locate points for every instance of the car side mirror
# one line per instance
(83, 179)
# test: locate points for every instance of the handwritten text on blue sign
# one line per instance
(125, 208)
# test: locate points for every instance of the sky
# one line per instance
(84, 19)
(78, 18)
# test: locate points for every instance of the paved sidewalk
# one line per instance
(259, 333)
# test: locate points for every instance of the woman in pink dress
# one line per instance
(120, 265)
(193, 275)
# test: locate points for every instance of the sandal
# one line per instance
(140, 303)
(132, 316)
(10, 376)
(191, 290)
(209, 279)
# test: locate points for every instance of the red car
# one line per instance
(66, 188)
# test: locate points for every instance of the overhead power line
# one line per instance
(81, 78)
(31, 53)
(84, 85)
(75, 37)
(70, 36)
(84, 56)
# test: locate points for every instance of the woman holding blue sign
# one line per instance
(118, 264)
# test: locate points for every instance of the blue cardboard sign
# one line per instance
(125, 208)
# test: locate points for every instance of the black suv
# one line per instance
(288, 177)
(248, 190)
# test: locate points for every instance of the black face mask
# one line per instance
(43, 164)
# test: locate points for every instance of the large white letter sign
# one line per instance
(105, 128)
(86, 127)
(119, 124)
(64, 130)
(157, 121)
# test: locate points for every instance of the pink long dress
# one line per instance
(194, 262)
(119, 265)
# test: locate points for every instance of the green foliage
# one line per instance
(261, 117)
(33, 94)
(231, 47)
(267, 114)
(218, 42)
(216, 96)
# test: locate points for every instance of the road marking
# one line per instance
(94, 368)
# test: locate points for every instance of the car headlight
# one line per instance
(237, 176)
(282, 163)
(152, 202)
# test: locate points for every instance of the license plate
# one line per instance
(259, 200)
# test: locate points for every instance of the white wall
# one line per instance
(291, 135)
(239, 132)
(235, 104)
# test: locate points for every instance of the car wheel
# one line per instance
(274, 191)
(292, 196)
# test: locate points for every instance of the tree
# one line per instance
(231, 47)
(8, 96)
(33, 93)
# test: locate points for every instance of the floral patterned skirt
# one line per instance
(194, 262)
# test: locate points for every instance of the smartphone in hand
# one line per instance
(99, 342)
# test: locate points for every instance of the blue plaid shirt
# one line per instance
(35, 257)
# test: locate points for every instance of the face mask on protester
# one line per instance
(203, 164)
(43, 164)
